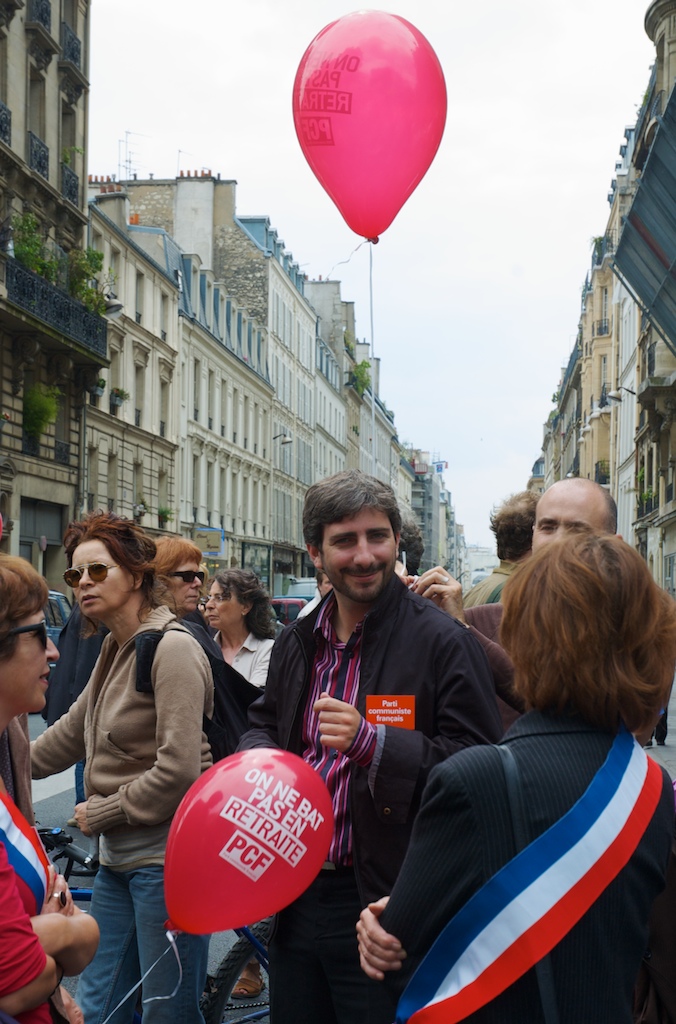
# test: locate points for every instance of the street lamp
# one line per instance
(285, 438)
(616, 396)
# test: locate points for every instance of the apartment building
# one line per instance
(53, 336)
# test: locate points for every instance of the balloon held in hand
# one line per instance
(256, 827)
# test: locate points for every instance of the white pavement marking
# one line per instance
(44, 788)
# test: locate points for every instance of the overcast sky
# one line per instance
(477, 282)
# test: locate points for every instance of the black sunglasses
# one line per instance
(189, 575)
(97, 573)
(39, 628)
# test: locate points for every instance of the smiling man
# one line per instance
(372, 689)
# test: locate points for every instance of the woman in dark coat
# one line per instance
(593, 641)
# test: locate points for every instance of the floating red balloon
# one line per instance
(369, 106)
(248, 838)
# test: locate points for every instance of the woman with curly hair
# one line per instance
(144, 747)
(239, 608)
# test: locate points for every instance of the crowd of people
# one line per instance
(496, 861)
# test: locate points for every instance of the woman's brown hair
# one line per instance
(589, 631)
(22, 592)
(129, 546)
(245, 586)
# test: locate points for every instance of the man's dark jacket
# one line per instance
(409, 646)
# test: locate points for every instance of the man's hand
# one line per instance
(338, 722)
(440, 587)
(378, 950)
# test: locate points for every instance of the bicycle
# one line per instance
(217, 1004)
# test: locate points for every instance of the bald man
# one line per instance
(572, 505)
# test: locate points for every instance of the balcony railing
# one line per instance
(71, 48)
(646, 507)
(53, 307)
(602, 474)
(669, 496)
(38, 155)
(30, 445)
(602, 327)
(70, 185)
(62, 453)
(40, 12)
(5, 124)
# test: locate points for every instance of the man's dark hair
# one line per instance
(411, 540)
(342, 496)
(512, 523)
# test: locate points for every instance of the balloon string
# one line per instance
(172, 945)
(373, 367)
(343, 262)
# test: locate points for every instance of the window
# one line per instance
(139, 297)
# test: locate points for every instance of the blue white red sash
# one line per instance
(25, 852)
(524, 910)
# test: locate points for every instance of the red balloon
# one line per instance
(369, 106)
(248, 838)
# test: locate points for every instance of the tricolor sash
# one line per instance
(533, 901)
(25, 852)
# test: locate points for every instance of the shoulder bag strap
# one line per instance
(543, 967)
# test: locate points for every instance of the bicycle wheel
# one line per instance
(217, 1004)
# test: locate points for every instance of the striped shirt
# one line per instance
(336, 671)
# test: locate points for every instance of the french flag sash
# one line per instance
(25, 852)
(524, 910)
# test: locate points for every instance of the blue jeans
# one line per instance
(79, 782)
(131, 913)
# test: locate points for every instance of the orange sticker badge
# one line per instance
(391, 709)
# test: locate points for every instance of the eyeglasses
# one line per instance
(217, 598)
(189, 576)
(39, 628)
(97, 573)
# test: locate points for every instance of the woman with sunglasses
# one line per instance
(43, 935)
(144, 748)
(239, 608)
(177, 562)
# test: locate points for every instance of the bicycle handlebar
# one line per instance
(59, 842)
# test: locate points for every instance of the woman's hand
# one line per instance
(58, 899)
(73, 1011)
(437, 585)
(378, 950)
(80, 815)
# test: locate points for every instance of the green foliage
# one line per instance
(83, 266)
(68, 152)
(40, 407)
(361, 377)
(30, 248)
(120, 393)
(164, 514)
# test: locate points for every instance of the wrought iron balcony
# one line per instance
(602, 474)
(5, 124)
(71, 48)
(602, 327)
(55, 308)
(38, 155)
(70, 185)
(62, 453)
(40, 13)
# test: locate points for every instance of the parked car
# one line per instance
(302, 586)
(57, 611)
(287, 608)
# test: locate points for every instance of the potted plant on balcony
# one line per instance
(99, 387)
(118, 396)
(140, 507)
(164, 515)
(40, 408)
